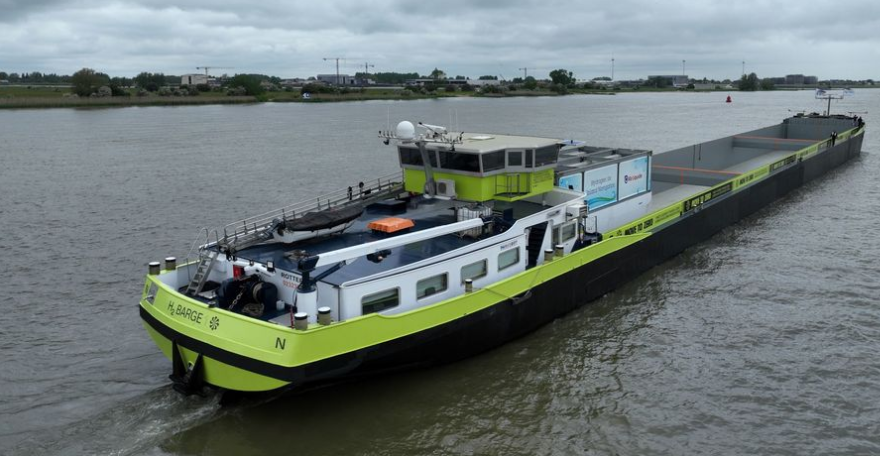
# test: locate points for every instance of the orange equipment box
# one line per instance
(391, 224)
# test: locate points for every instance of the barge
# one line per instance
(481, 238)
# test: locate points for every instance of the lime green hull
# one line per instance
(244, 354)
(184, 318)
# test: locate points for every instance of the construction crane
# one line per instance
(337, 59)
(207, 68)
(525, 71)
(366, 66)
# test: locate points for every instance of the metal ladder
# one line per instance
(206, 262)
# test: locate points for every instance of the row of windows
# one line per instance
(387, 299)
(410, 156)
(492, 161)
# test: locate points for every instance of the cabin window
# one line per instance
(431, 286)
(530, 155)
(565, 232)
(514, 158)
(460, 161)
(412, 156)
(508, 259)
(568, 231)
(380, 301)
(493, 161)
(474, 271)
(546, 156)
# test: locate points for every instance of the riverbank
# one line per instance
(26, 97)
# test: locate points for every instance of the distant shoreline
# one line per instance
(17, 97)
(109, 102)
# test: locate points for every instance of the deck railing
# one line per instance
(248, 231)
(512, 184)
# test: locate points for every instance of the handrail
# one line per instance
(512, 184)
(251, 226)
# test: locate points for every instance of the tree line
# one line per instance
(88, 82)
(751, 83)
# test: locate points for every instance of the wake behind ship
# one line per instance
(480, 239)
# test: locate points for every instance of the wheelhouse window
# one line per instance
(380, 301)
(412, 156)
(508, 258)
(493, 161)
(432, 285)
(530, 155)
(474, 271)
(546, 156)
(514, 158)
(459, 161)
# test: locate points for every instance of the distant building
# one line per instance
(459, 82)
(337, 79)
(601, 82)
(482, 82)
(794, 79)
(295, 82)
(193, 79)
(678, 80)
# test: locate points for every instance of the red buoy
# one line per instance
(729, 100)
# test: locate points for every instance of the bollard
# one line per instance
(155, 267)
(301, 321)
(170, 263)
(548, 255)
(468, 285)
(324, 318)
(560, 250)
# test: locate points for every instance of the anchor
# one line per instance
(187, 380)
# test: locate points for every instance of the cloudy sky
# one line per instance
(829, 39)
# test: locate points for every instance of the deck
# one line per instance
(424, 213)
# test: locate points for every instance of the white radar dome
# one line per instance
(406, 130)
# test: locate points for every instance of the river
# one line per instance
(763, 340)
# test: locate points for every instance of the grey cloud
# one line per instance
(12, 10)
(459, 36)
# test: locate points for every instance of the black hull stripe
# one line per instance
(507, 320)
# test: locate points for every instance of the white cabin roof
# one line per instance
(480, 143)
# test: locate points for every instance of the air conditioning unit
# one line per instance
(576, 211)
(446, 188)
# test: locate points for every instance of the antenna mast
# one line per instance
(821, 94)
